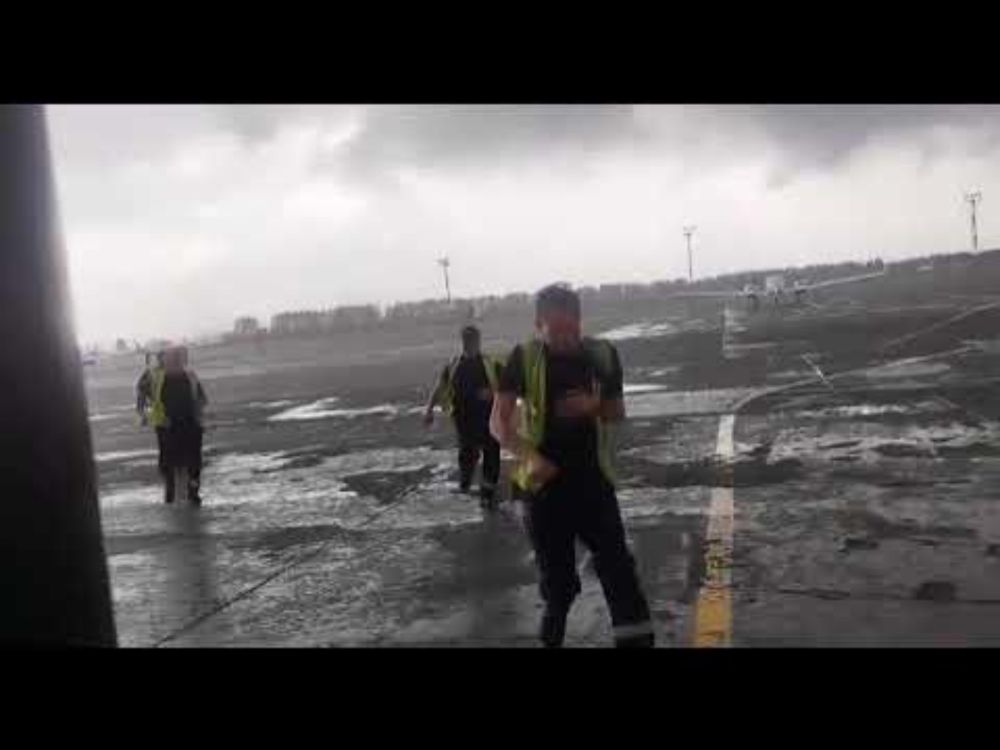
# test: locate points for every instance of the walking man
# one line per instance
(178, 404)
(465, 390)
(571, 401)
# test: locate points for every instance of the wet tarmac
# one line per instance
(864, 503)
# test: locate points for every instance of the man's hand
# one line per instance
(541, 471)
(503, 421)
(485, 394)
(577, 405)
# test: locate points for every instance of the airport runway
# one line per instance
(797, 478)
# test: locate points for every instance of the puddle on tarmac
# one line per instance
(652, 502)
(854, 411)
(676, 403)
(654, 329)
(294, 488)
(270, 404)
(122, 411)
(791, 375)
(872, 441)
(664, 371)
(123, 455)
(631, 388)
(908, 370)
(752, 466)
(645, 329)
(321, 409)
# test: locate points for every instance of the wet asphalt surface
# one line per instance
(866, 503)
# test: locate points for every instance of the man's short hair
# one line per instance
(470, 332)
(557, 298)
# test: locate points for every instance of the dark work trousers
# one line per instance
(161, 445)
(585, 506)
(183, 449)
(474, 439)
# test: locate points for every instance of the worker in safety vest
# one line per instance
(149, 413)
(570, 393)
(465, 390)
(177, 414)
(144, 386)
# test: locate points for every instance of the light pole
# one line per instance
(445, 264)
(973, 200)
(688, 231)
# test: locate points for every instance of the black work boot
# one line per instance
(487, 498)
(553, 629)
(193, 495)
(639, 635)
(637, 641)
(168, 488)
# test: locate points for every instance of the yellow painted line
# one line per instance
(714, 610)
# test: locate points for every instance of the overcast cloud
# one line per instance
(179, 218)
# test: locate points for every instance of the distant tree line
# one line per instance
(367, 317)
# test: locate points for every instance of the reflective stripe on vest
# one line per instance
(533, 406)
(157, 411)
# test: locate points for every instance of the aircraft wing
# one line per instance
(838, 282)
(722, 294)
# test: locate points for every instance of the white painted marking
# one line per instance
(630, 388)
(643, 330)
(713, 613)
(724, 443)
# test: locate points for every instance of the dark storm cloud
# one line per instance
(450, 136)
(822, 137)
(258, 123)
(800, 138)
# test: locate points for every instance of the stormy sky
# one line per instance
(179, 218)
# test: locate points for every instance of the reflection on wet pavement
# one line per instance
(365, 548)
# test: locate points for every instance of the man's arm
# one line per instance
(504, 428)
(504, 423)
(142, 393)
(200, 400)
(510, 386)
(435, 396)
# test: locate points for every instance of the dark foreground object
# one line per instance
(53, 576)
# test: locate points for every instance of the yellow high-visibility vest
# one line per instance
(533, 407)
(157, 411)
(490, 364)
